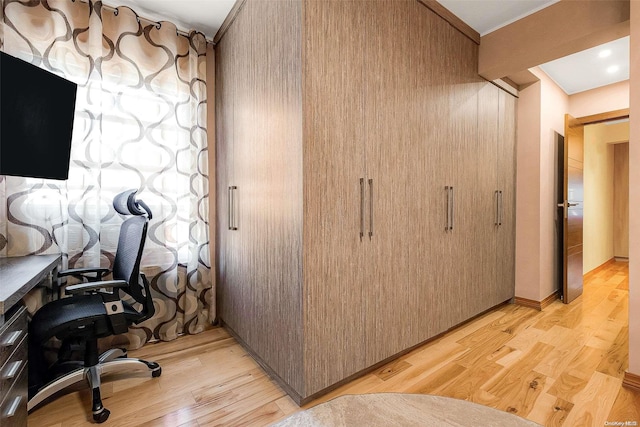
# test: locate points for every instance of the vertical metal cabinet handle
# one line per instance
(235, 205)
(501, 212)
(232, 208)
(230, 197)
(13, 408)
(361, 208)
(496, 215)
(370, 208)
(453, 202)
(446, 188)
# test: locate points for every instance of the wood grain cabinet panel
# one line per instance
(259, 141)
(486, 201)
(341, 123)
(507, 184)
(391, 121)
(334, 192)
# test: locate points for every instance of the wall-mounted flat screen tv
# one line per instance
(36, 120)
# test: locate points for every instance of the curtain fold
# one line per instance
(140, 122)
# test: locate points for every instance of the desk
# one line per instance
(18, 275)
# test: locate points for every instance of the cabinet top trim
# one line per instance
(228, 20)
(432, 5)
(452, 19)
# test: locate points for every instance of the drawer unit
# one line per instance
(11, 334)
(13, 370)
(13, 366)
(13, 410)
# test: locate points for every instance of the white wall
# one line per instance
(528, 194)
(598, 197)
(607, 98)
(555, 104)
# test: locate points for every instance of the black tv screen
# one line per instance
(36, 120)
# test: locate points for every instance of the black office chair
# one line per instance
(94, 310)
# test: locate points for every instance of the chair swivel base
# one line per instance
(111, 361)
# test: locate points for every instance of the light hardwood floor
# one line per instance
(562, 366)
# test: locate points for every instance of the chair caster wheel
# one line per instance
(101, 416)
(157, 372)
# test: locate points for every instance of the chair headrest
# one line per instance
(126, 203)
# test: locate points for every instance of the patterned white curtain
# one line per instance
(140, 123)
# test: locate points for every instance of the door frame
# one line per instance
(576, 123)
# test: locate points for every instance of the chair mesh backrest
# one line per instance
(133, 234)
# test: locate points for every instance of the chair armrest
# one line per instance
(95, 286)
(98, 271)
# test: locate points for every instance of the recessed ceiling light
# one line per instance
(612, 69)
(604, 53)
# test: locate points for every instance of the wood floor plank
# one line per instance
(521, 399)
(567, 343)
(511, 379)
(465, 386)
(526, 338)
(362, 385)
(436, 381)
(593, 403)
(481, 350)
(616, 359)
(392, 369)
(550, 410)
(626, 407)
(264, 415)
(287, 405)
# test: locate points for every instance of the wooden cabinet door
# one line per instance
(391, 132)
(461, 265)
(433, 270)
(271, 190)
(225, 85)
(334, 262)
(236, 290)
(486, 199)
(507, 184)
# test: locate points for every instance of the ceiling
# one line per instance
(486, 16)
(205, 16)
(591, 68)
(575, 73)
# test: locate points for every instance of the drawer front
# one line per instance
(13, 412)
(13, 366)
(12, 334)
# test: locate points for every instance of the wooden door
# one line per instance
(573, 209)
(505, 254)
(334, 191)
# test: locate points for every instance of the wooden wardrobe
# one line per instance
(365, 182)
